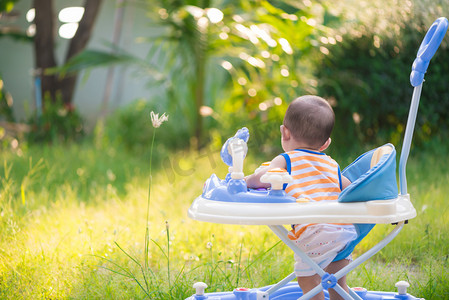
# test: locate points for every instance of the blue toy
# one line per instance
(372, 198)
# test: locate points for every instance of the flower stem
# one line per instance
(147, 231)
(168, 255)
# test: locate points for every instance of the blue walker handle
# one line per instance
(243, 134)
(429, 46)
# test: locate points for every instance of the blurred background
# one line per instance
(68, 67)
(78, 80)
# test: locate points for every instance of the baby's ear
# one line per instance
(285, 133)
(326, 144)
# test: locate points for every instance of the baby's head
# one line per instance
(310, 120)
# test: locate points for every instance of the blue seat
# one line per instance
(373, 177)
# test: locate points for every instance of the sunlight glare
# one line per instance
(31, 30)
(163, 13)
(311, 22)
(244, 55)
(324, 40)
(265, 54)
(285, 72)
(203, 22)
(223, 35)
(215, 15)
(307, 3)
(252, 92)
(237, 18)
(226, 65)
(376, 42)
(247, 33)
(206, 111)
(264, 35)
(67, 31)
(195, 11)
(71, 14)
(30, 15)
(256, 62)
(324, 50)
(285, 46)
(356, 118)
(242, 81)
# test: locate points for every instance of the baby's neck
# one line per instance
(300, 146)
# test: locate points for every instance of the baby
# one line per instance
(305, 133)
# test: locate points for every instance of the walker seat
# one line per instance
(372, 198)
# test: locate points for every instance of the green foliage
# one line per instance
(7, 5)
(7, 139)
(6, 113)
(89, 59)
(268, 73)
(58, 122)
(131, 128)
(366, 76)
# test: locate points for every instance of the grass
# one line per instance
(73, 220)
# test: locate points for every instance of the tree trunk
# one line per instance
(77, 44)
(201, 55)
(44, 45)
(199, 102)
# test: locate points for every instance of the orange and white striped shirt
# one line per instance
(316, 176)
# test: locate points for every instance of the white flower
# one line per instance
(156, 120)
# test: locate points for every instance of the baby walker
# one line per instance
(371, 199)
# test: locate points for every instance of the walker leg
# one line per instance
(282, 233)
(354, 295)
(311, 293)
(281, 283)
(343, 293)
(368, 254)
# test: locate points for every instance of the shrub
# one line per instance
(367, 76)
(6, 113)
(131, 128)
(58, 122)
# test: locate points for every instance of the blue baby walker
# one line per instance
(372, 198)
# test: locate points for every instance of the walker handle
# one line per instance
(225, 152)
(429, 46)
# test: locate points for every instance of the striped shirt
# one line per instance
(316, 176)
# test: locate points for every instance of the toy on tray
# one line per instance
(372, 198)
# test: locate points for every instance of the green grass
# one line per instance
(66, 210)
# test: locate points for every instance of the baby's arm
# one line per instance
(253, 180)
(344, 182)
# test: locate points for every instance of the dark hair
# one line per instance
(310, 119)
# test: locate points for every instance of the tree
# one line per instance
(250, 54)
(44, 42)
(201, 37)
